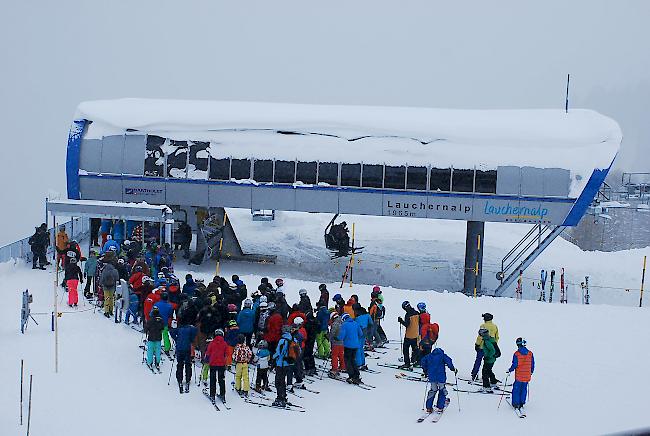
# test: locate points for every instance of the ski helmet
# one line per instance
(376, 289)
(264, 305)
(483, 332)
(322, 287)
(263, 299)
(248, 302)
(334, 315)
(138, 268)
(218, 332)
(521, 342)
(487, 316)
(232, 323)
(405, 305)
(302, 292)
(271, 305)
(279, 282)
(262, 344)
(298, 320)
(232, 308)
(422, 306)
(337, 297)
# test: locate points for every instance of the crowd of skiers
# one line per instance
(223, 327)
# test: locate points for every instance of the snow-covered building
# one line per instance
(532, 166)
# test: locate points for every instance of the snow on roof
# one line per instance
(545, 138)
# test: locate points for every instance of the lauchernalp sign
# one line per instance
(513, 211)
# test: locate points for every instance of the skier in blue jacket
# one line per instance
(110, 245)
(184, 336)
(189, 288)
(365, 322)
(166, 311)
(246, 321)
(434, 364)
(352, 337)
(281, 365)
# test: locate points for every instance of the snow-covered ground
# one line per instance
(589, 378)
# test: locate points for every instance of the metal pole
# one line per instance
(352, 256)
(171, 370)
(478, 249)
(219, 254)
(29, 409)
(566, 101)
(21, 390)
(642, 281)
(457, 393)
(56, 308)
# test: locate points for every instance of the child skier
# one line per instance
(215, 355)
(73, 277)
(262, 360)
(523, 364)
(338, 362)
(241, 355)
(433, 365)
(153, 328)
(489, 357)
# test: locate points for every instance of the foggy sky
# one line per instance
(453, 54)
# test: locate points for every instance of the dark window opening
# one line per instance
(373, 176)
(263, 171)
(306, 173)
(440, 179)
(285, 171)
(220, 169)
(177, 160)
(198, 160)
(350, 174)
(486, 181)
(328, 172)
(240, 169)
(395, 177)
(462, 181)
(154, 161)
(416, 178)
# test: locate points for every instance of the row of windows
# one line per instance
(191, 159)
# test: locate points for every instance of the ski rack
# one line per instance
(528, 248)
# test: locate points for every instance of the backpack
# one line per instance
(497, 351)
(293, 351)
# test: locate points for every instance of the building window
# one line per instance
(373, 176)
(395, 177)
(440, 179)
(462, 181)
(197, 167)
(306, 173)
(416, 178)
(177, 160)
(486, 181)
(328, 172)
(154, 161)
(351, 175)
(240, 169)
(285, 171)
(263, 171)
(220, 169)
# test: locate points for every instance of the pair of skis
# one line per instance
(435, 415)
(289, 406)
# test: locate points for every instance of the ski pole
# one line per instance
(21, 390)
(401, 345)
(29, 409)
(171, 369)
(503, 391)
(457, 393)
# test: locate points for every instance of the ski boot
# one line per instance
(223, 398)
(333, 374)
(187, 387)
(363, 368)
(180, 387)
(279, 403)
(405, 366)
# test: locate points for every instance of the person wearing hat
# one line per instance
(377, 311)
(295, 369)
(322, 327)
(261, 318)
(215, 356)
(489, 357)
(261, 359)
(324, 295)
(478, 345)
(523, 364)
(304, 305)
(153, 329)
(166, 312)
(411, 323)
(73, 276)
(281, 360)
(241, 356)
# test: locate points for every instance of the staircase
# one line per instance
(528, 248)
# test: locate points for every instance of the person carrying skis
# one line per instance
(280, 358)
(352, 338)
(153, 329)
(489, 357)
(433, 364)
(242, 355)
(478, 345)
(184, 337)
(411, 322)
(215, 356)
(261, 359)
(523, 364)
(73, 277)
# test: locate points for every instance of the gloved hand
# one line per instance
(456, 371)
(477, 347)
(401, 321)
(508, 372)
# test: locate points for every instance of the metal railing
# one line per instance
(78, 228)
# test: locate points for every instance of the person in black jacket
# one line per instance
(73, 276)
(183, 239)
(39, 242)
(184, 337)
(153, 328)
(95, 224)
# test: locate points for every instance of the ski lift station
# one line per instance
(542, 167)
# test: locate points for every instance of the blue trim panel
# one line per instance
(333, 188)
(587, 196)
(72, 158)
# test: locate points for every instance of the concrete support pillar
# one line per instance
(473, 257)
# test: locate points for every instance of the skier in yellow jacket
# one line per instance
(493, 330)
(412, 323)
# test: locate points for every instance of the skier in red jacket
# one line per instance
(273, 329)
(216, 357)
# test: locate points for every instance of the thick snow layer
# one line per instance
(584, 358)
(580, 140)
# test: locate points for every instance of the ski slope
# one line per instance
(590, 362)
